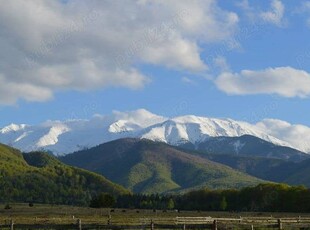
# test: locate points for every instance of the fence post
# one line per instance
(280, 226)
(252, 227)
(215, 225)
(152, 224)
(184, 227)
(12, 224)
(109, 219)
(79, 224)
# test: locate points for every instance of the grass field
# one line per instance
(23, 214)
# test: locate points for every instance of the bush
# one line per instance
(103, 200)
(7, 206)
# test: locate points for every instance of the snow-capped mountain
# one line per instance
(195, 129)
(73, 135)
(62, 137)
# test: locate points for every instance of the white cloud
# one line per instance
(221, 63)
(304, 8)
(283, 81)
(9, 91)
(188, 80)
(275, 14)
(49, 45)
(247, 9)
(297, 135)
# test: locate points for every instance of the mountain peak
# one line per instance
(12, 127)
(141, 117)
(123, 126)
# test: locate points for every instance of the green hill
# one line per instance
(260, 167)
(39, 177)
(277, 170)
(150, 167)
(292, 173)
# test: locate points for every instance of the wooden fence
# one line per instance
(181, 223)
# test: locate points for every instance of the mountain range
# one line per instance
(145, 153)
(145, 166)
(139, 166)
(63, 137)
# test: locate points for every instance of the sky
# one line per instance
(243, 59)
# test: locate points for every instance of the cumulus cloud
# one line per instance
(297, 135)
(49, 45)
(9, 91)
(283, 81)
(275, 14)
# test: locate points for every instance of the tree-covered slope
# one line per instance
(151, 167)
(39, 177)
(249, 146)
(277, 170)
(293, 173)
(260, 167)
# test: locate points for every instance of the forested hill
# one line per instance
(145, 166)
(39, 177)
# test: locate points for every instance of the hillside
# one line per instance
(150, 167)
(247, 145)
(292, 173)
(259, 167)
(39, 177)
(277, 170)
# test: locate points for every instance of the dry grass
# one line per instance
(23, 214)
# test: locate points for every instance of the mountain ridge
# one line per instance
(63, 137)
(248, 145)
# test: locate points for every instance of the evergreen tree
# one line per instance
(170, 204)
(223, 204)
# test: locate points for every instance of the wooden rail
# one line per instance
(174, 223)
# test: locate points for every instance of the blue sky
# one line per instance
(246, 60)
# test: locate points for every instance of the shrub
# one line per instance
(7, 206)
(104, 200)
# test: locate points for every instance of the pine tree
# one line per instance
(223, 204)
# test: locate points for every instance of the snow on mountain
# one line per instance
(51, 137)
(197, 129)
(12, 128)
(238, 145)
(123, 126)
(73, 135)
(297, 135)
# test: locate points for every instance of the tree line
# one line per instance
(261, 198)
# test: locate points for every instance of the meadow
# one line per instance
(62, 215)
